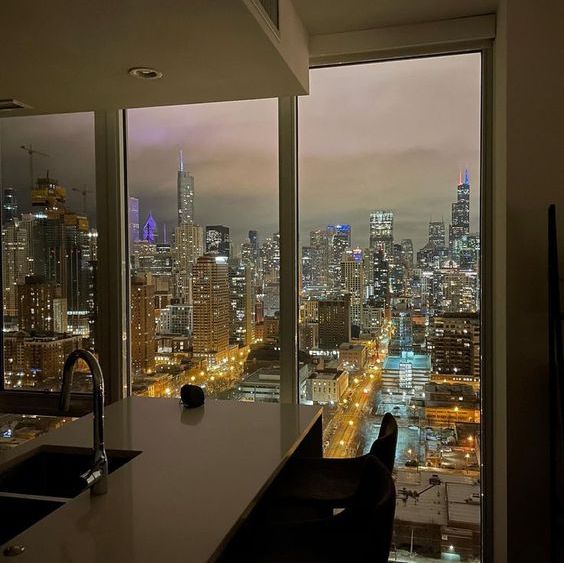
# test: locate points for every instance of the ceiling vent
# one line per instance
(271, 9)
(11, 104)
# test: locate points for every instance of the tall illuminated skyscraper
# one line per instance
(218, 240)
(382, 231)
(211, 306)
(143, 343)
(185, 192)
(9, 205)
(188, 247)
(339, 243)
(352, 282)
(460, 223)
(150, 233)
(133, 214)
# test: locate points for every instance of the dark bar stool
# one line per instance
(334, 481)
(360, 532)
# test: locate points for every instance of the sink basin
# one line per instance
(18, 514)
(54, 471)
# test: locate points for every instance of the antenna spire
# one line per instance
(181, 162)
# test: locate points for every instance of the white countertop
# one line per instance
(200, 473)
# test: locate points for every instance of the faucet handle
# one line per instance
(92, 476)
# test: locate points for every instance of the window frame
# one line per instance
(111, 195)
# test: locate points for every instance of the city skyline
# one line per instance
(231, 150)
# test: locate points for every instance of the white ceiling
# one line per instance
(335, 16)
(73, 55)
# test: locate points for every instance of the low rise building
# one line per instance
(353, 355)
(327, 385)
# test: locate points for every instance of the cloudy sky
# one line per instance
(387, 135)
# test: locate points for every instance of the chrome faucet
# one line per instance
(97, 477)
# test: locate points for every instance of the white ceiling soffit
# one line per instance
(337, 16)
(69, 55)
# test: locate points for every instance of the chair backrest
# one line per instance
(370, 516)
(384, 447)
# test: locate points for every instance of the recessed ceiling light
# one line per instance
(145, 73)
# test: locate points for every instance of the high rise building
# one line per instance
(270, 255)
(402, 335)
(460, 222)
(382, 231)
(352, 283)
(150, 230)
(41, 308)
(334, 322)
(254, 242)
(133, 217)
(339, 243)
(143, 340)
(320, 257)
(454, 344)
(218, 240)
(9, 205)
(188, 247)
(185, 193)
(242, 305)
(381, 278)
(17, 260)
(211, 306)
(407, 254)
(437, 234)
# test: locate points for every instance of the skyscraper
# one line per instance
(188, 247)
(217, 240)
(454, 344)
(382, 230)
(253, 240)
(352, 283)
(211, 306)
(9, 205)
(242, 305)
(150, 233)
(133, 214)
(185, 193)
(460, 222)
(143, 342)
(334, 323)
(339, 243)
(437, 235)
(41, 309)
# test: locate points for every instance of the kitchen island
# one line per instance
(196, 478)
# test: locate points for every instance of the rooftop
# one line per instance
(417, 361)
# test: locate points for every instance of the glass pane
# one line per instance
(49, 242)
(389, 163)
(204, 249)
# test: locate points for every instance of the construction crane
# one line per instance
(84, 192)
(31, 151)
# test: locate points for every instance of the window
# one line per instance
(204, 249)
(49, 247)
(389, 165)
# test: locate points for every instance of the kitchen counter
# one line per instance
(200, 473)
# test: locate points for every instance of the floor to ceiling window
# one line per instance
(49, 257)
(204, 249)
(389, 316)
(49, 246)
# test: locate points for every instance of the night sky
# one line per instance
(386, 135)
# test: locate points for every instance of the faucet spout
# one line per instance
(96, 478)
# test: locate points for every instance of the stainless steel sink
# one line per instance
(19, 513)
(55, 471)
